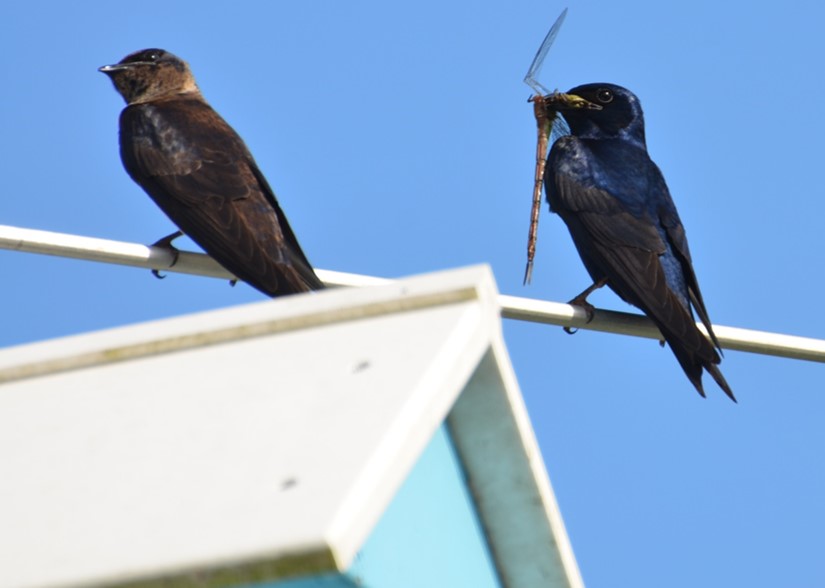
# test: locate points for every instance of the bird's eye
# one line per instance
(154, 56)
(605, 96)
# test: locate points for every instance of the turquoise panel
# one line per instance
(429, 536)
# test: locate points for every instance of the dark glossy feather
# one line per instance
(624, 224)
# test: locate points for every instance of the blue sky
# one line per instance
(399, 141)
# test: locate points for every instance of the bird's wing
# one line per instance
(200, 173)
(626, 229)
(672, 224)
(626, 249)
(607, 220)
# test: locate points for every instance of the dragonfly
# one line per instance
(551, 125)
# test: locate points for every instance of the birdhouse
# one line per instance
(355, 437)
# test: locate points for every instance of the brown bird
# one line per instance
(198, 170)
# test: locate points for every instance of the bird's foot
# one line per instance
(589, 309)
(581, 302)
(233, 282)
(166, 243)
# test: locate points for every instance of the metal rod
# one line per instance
(512, 307)
(608, 321)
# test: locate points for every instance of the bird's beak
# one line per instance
(561, 101)
(110, 69)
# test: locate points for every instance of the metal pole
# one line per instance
(512, 307)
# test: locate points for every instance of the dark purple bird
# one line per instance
(614, 200)
(200, 173)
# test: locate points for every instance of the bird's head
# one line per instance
(600, 111)
(150, 74)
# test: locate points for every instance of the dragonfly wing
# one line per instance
(538, 60)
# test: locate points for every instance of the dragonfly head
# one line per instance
(560, 101)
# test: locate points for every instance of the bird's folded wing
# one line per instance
(216, 196)
(627, 249)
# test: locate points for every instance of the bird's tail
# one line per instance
(302, 273)
(695, 358)
(716, 373)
